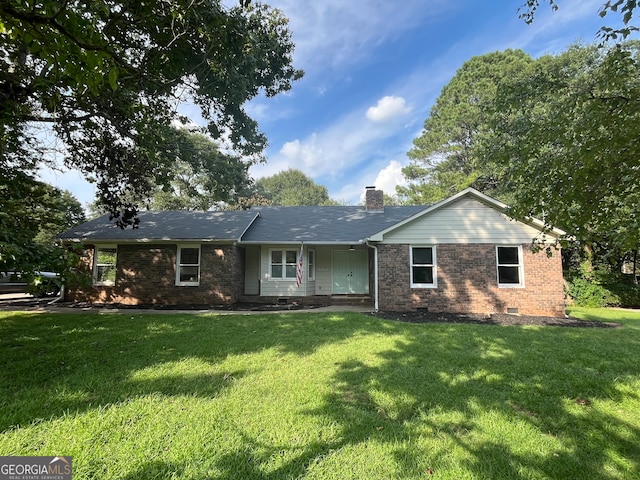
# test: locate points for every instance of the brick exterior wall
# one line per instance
(467, 282)
(145, 275)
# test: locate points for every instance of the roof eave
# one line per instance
(148, 240)
(305, 242)
(255, 217)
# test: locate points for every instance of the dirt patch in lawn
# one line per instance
(494, 319)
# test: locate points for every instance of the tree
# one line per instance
(31, 210)
(292, 187)
(555, 138)
(31, 214)
(108, 76)
(201, 177)
(565, 135)
(626, 8)
(245, 202)
(61, 211)
(446, 157)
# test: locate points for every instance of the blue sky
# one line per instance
(373, 69)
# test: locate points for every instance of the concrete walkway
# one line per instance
(28, 303)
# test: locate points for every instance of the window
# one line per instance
(510, 269)
(423, 267)
(311, 265)
(284, 264)
(188, 265)
(104, 265)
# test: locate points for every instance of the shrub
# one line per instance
(629, 295)
(585, 293)
(608, 291)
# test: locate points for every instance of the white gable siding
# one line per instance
(464, 221)
(277, 287)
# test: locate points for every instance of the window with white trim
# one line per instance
(104, 265)
(510, 267)
(311, 264)
(423, 267)
(188, 265)
(283, 264)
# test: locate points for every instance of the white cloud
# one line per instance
(349, 154)
(309, 152)
(390, 177)
(385, 179)
(334, 33)
(352, 152)
(348, 142)
(387, 108)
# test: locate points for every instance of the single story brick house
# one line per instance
(462, 254)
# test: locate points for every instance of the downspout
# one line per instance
(375, 274)
(59, 297)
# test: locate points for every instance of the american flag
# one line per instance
(299, 268)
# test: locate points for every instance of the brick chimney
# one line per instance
(374, 200)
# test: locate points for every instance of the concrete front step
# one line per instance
(315, 300)
(351, 300)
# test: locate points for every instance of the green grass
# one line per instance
(319, 395)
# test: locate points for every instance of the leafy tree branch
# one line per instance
(109, 75)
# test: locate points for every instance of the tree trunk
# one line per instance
(635, 265)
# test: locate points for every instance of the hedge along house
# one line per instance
(460, 255)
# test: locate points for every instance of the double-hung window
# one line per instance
(283, 264)
(423, 267)
(104, 265)
(188, 265)
(510, 267)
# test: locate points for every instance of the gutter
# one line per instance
(298, 242)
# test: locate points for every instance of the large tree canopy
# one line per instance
(31, 214)
(30, 209)
(108, 76)
(292, 187)
(566, 136)
(446, 157)
(201, 177)
(556, 138)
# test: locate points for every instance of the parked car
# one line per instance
(44, 284)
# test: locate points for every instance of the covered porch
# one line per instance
(309, 274)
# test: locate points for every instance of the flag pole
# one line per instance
(300, 267)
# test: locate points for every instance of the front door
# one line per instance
(350, 272)
(252, 271)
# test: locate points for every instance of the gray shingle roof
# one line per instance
(323, 224)
(273, 225)
(170, 225)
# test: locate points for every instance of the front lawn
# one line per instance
(320, 395)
